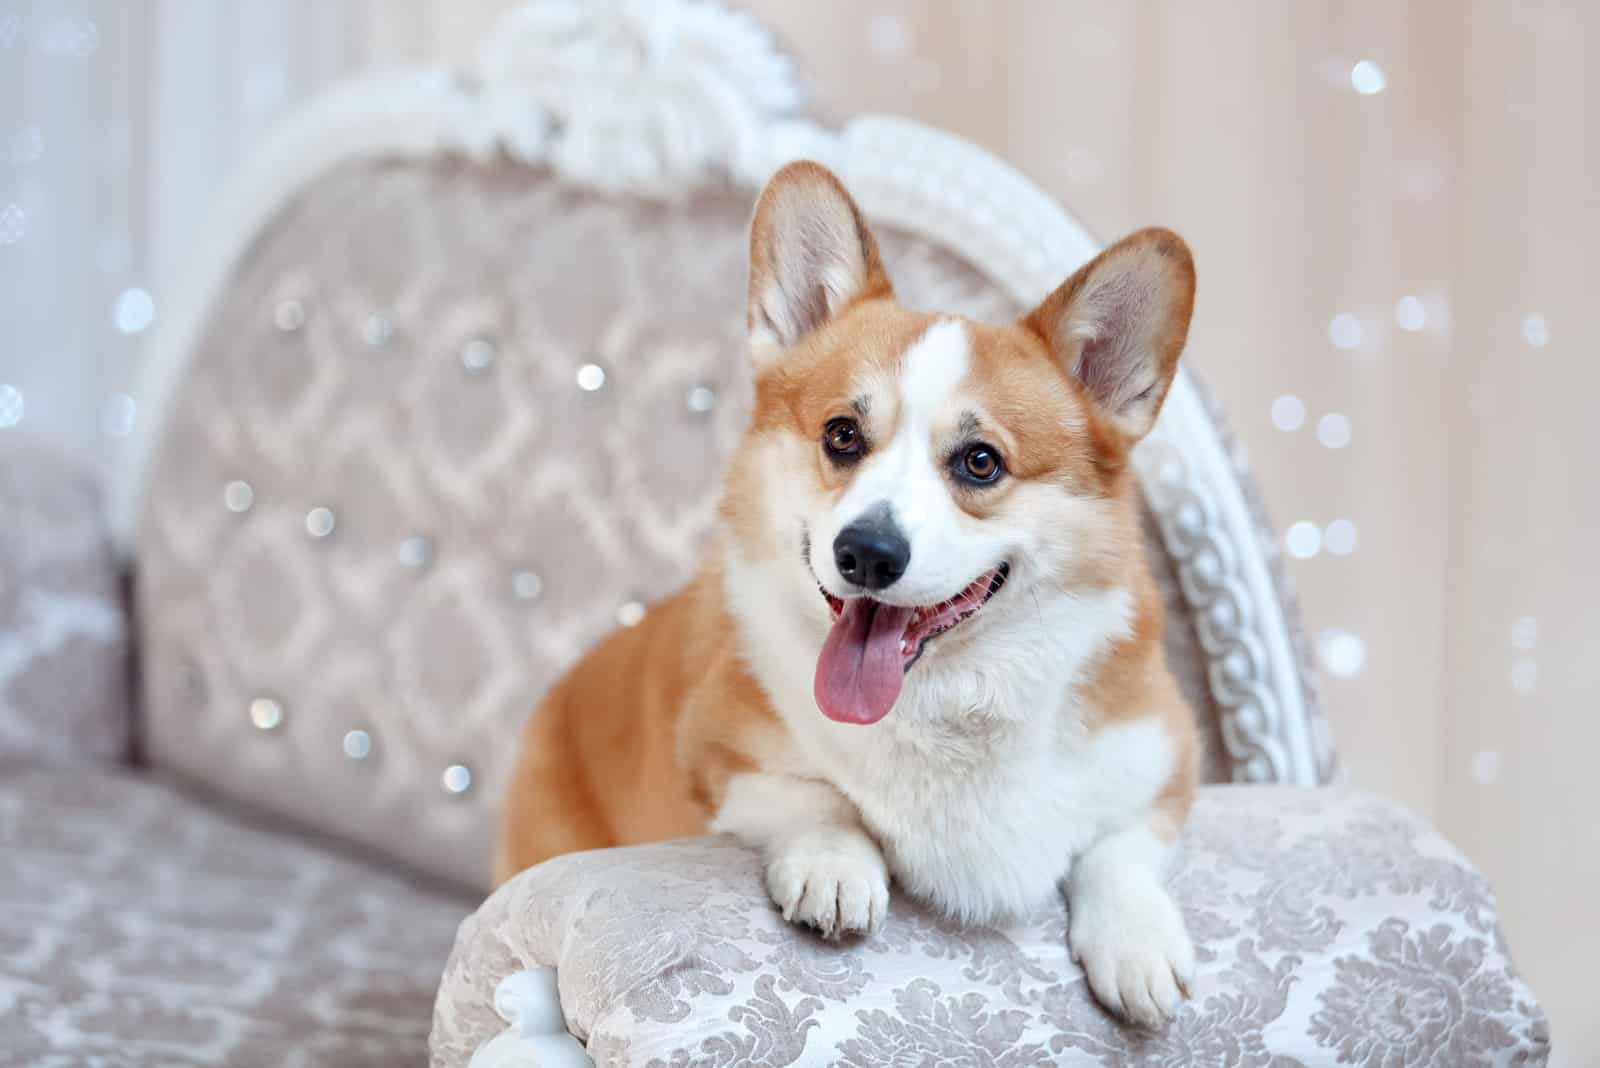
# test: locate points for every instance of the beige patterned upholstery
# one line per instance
(1331, 928)
(64, 674)
(402, 347)
(143, 926)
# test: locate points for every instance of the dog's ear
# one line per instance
(1118, 325)
(811, 256)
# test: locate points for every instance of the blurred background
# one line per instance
(1395, 214)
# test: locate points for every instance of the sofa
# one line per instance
(442, 401)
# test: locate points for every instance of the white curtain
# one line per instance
(1394, 209)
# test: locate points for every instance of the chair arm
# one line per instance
(1330, 926)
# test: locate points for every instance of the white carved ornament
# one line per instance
(629, 96)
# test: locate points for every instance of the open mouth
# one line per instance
(872, 644)
(930, 622)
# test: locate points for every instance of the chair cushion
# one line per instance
(139, 925)
(64, 680)
(1331, 928)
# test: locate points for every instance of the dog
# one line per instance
(925, 644)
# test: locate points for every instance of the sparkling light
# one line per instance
(13, 224)
(378, 329)
(456, 779)
(266, 713)
(1410, 314)
(1303, 539)
(1340, 537)
(888, 35)
(1535, 331)
(289, 316)
(117, 418)
(357, 745)
(526, 585)
(70, 35)
(1344, 330)
(11, 405)
(319, 522)
(238, 496)
(701, 399)
(1367, 78)
(591, 376)
(134, 311)
(1288, 412)
(477, 356)
(1525, 674)
(1485, 767)
(630, 613)
(1333, 430)
(416, 552)
(1343, 653)
(1525, 633)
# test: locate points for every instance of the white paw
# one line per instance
(832, 879)
(1136, 953)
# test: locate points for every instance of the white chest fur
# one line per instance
(982, 815)
(983, 784)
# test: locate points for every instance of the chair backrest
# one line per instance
(449, 395)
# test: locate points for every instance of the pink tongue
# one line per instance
(860, 669)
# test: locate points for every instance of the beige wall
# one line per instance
(1468, 183)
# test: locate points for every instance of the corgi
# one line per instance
(925, 645)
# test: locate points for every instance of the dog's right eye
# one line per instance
(842, 439)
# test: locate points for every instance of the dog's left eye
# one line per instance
(842, 439)
(980, 463)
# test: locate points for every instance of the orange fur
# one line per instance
(636, 743)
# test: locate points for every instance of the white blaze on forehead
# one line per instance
(932, 369)
(934, 365)
(901, 471)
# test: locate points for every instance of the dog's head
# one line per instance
(936, 476)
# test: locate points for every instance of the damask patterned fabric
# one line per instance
(141, 926)
(448, 426)
(64, 680)
(1332, 928)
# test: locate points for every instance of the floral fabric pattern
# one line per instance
(1333, 928)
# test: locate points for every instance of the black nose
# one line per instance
(871, 552)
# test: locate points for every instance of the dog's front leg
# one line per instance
(823, 869)
(1125, 929)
